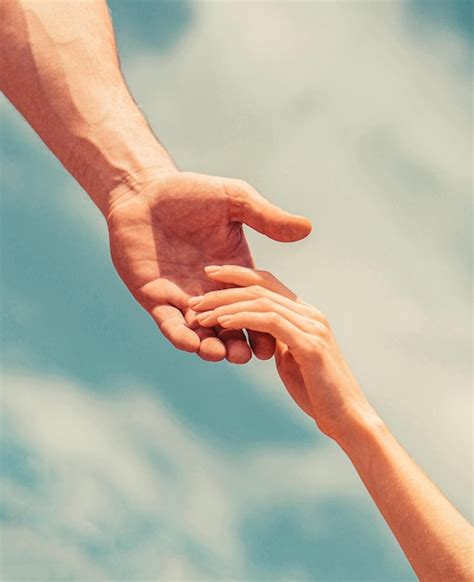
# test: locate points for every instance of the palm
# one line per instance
(161, 240)
(163, 237)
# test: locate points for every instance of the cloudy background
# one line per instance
(123, 459)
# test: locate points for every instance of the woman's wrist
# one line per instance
(360, 429)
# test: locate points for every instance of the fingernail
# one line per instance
(223, 319)
(195, 300)
(212, 268)
(203, 315)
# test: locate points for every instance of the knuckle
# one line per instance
(273, 318)
(313, 326)
(237, 192)
(256, 290)
(313, 313)
(265, 303)
(322, 330)
(312, 345)
(316, 314)
(323, 319)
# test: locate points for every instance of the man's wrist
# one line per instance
(125, 165)
(116, 153)
(134, 184)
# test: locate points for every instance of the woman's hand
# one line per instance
(436, 539)
(307, 357)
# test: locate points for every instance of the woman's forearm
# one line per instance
(60, 69)
(436, 539)
(434, 536)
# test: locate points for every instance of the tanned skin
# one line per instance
(59, 68)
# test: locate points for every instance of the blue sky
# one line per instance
(123, 459)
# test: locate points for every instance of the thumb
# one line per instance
(251, 208)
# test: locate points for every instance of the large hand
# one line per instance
(162, 238)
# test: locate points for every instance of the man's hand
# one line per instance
(162, 238)
(59, 67)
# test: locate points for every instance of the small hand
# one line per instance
(308, 359)
(162, 238)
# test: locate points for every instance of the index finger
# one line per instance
(214, 299)
(244, 276)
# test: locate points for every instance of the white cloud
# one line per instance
(122, 469)
(340, 111)
(29, 556)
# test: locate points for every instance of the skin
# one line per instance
(59, 68)
(434, 536)
(161, 240)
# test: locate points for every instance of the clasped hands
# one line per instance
(164, 234)
(308, 359)
(169, 241)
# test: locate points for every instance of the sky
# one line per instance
(124, 459)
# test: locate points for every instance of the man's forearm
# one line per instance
(436, 539)
(60, 69)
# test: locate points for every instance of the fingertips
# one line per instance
(251, 208)
(262, 344)
(292, 228)
(206, 318)
(193, 301)
(173, 326)
(233, 274)
(181, 336)
(211, 349)
(238, 351)
(243, 277)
